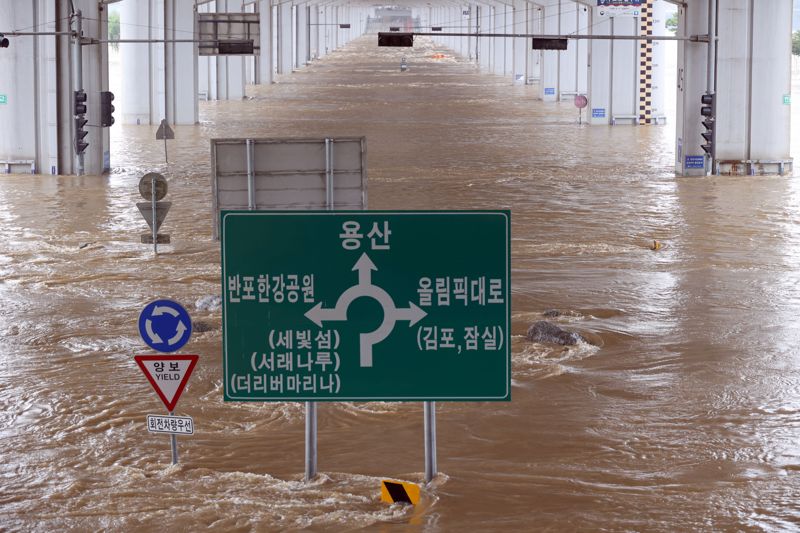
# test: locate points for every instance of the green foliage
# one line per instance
(796, 43)
(113, 27)
(672, 23)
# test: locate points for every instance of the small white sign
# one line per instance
(619, 8)
(179, 425)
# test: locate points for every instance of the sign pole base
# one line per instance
(311, 441)
(430, 441)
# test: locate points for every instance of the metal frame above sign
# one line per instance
(282, 174)
(228, 33)
(288, 174)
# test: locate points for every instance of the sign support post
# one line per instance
(251, 179)
(311, 441)
(153, 187)
(155, 218)
(430, 441)
(311, 407)
(77, 72)
(174, 444)
(165, 132)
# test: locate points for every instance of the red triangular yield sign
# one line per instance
(167, 374)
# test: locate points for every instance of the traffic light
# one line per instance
(707, 110)
(106, 109)
(79, 110)
(3, 41)
(80, 133)
(80, 103)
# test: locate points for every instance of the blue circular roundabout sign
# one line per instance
(165, 325)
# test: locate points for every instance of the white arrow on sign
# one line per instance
(154, 337)
(391, 314)
(181, 329)
(365, 266)
(161, 309)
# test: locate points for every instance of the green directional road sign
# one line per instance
(366, 305)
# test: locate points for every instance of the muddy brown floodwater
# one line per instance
(683, 414)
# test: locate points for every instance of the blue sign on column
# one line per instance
(165, 326)
(695, 161)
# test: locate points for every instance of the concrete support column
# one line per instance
(344, 17)
(313, 39)
(294, 38)
(322, 33)
(336, 17)
(534, 57)
(659, 66)
(250, 61)
(95, 80)
(302, 35)
(573, 62)
(345, 33)
(600, 67)
(499, 43)
(551, 59)
(520, 45)
(134, 101)
(158, 98)
(484, 22)
(692, 82)
(451, 16)
(613, 84)
(461, 21)
(447, 18)
(30, 86)
(206, 65)
(264, 66)
(454, 17)
(230, 69)
(285, 38)
(322, 18)
(181, 64)
(568, 59)
(329, 18)
(752, 86)
(472, 25)
(508, 43)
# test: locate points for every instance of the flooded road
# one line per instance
(682, 413)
